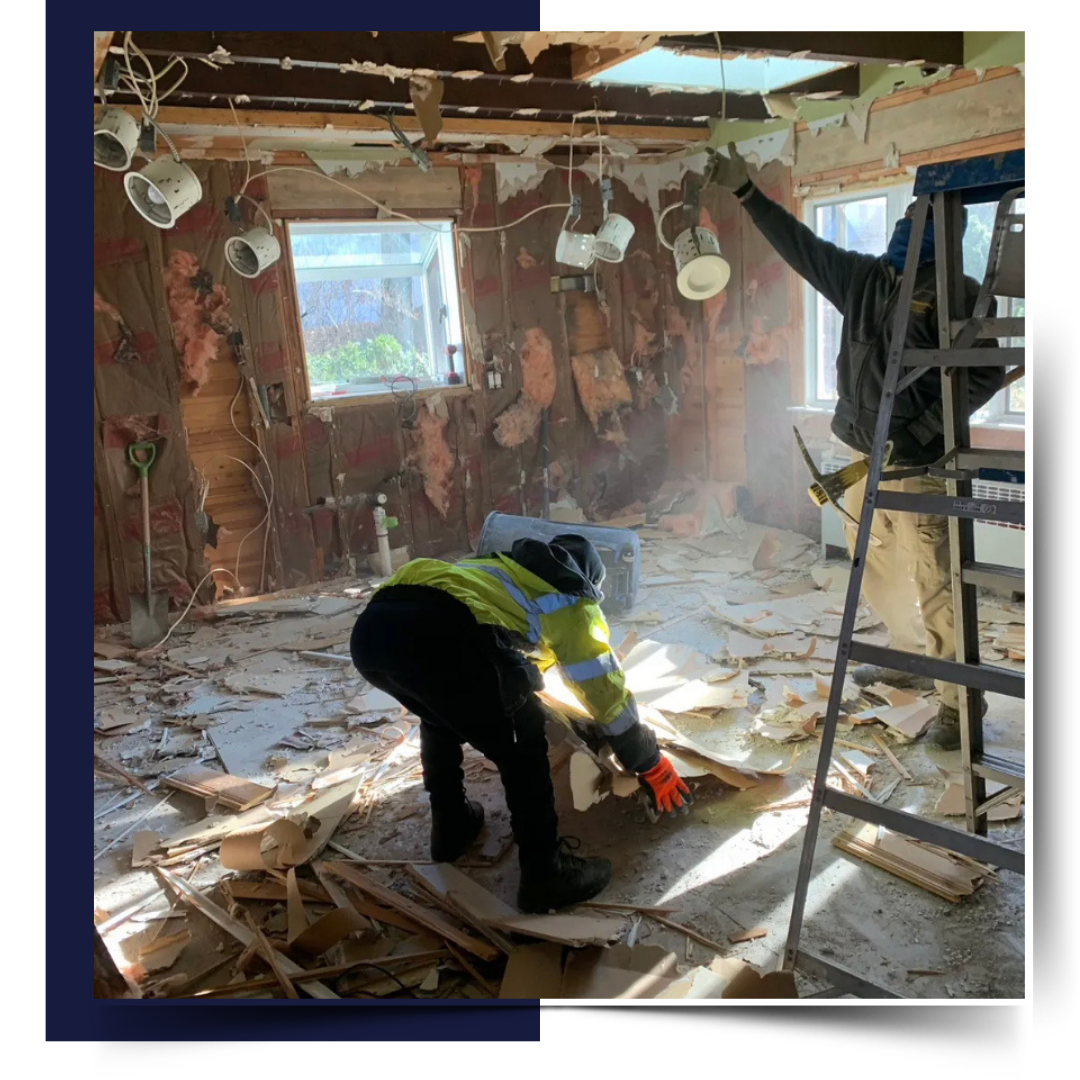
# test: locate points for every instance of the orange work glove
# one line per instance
(666, 789)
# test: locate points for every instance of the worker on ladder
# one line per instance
(906, 579)
(462, 646)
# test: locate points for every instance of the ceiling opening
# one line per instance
(681, 71)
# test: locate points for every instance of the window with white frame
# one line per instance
(856, 221)
(1008, 406)
(378, 304)
(864, 221)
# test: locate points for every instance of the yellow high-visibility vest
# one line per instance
(562, 629)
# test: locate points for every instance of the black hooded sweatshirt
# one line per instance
(865, 289)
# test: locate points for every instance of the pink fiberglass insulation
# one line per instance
(103, 307)
(520, 421)
(436, 460)
(199, 315)
(538, 367)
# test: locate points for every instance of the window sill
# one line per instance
(351, 400)
(811, 410)
(999, 425)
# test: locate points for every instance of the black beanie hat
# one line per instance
(585, 555)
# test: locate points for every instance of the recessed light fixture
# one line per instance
(163, 191)
(702, 271)
(252, 252)
(116, 135)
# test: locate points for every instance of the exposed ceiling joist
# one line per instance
(841, 83)
(931, 47)
(268, 86)
(193, 127)
(401, 48)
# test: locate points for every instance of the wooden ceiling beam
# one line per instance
(931, 47)
(398, 48)
(269, 86)
(311, 128)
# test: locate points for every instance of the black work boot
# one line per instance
(868, 674)
(562, 880)
(944, 732)
(452, 832)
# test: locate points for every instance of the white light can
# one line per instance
(116, 136)
(163, 191)
(253, 252)
(613, 238)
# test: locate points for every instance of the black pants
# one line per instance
(427, 650)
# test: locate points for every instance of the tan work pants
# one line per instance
(907, 580)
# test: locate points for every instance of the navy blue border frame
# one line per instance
(71, 1011)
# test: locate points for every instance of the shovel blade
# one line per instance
(149, 619)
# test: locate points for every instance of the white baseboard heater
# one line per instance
(995, 541)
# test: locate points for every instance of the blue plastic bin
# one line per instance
(620, 550)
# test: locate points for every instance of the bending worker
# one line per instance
(462, 646)
(906, 579)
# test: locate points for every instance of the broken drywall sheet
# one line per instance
(518, 177)
(198, 310)
(426, 96)
(621, 971)
(726, 977)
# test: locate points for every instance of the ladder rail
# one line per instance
(858, 561)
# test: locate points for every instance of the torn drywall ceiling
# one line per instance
(517, 177)
(355, 161)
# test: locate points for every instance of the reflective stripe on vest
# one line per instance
(591, 669)
(623, 722)
(543, 605)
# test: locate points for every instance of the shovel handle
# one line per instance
(142, 455)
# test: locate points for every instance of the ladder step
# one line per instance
(980, 458)
(1000, 770)
(992, 576)
(1011, 512)
(1012, 326)
(963, 357)
(963, 843)
(997, 680)
(842, 980)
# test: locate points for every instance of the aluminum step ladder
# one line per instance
(948, 188)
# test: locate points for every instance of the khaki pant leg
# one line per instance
(888, 584)
(926, 539)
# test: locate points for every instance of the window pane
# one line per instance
(857, 225)
(370, 299)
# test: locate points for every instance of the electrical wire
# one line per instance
(194, 594)
(570, 171)
(136, 82)
(367, 198)
(269, 499)
(723, 81)
(517, 221)
(397, 213)
(243, 145)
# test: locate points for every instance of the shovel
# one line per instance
(149, 610)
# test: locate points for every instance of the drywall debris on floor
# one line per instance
(949, 876)
(435, 458)
(520, 421)
(198, 310)
(603, 391)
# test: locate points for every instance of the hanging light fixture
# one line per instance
(702, 271)
(252, 252)
(614, 235)
(116, 135)
(163, 191)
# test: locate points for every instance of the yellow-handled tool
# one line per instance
(829, 488)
